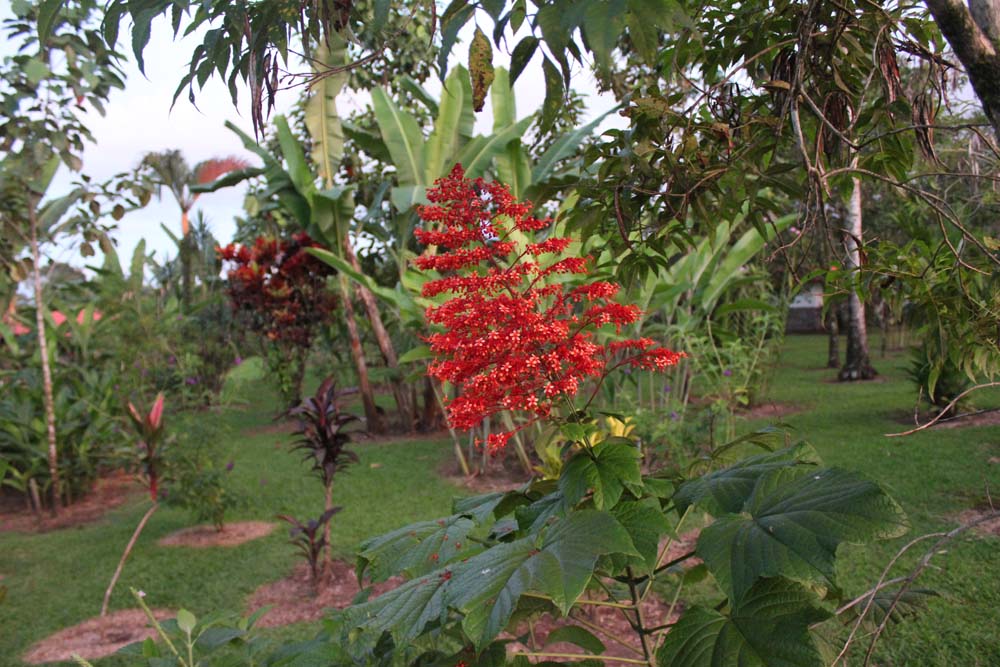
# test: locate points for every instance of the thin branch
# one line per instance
(942, 413)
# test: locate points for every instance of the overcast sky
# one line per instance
(139, 119)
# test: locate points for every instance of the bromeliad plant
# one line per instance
(518, 336)
(324, 441)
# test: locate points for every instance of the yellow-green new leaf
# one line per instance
(322, 119)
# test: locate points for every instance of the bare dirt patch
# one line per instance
(97, 637)
(963, 420)
(294, 599)
(503, 476)
(607, 623)
(108, 493)
(988, 528)
(204, 537)
(770, 411)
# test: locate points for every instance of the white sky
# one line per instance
(139, 120)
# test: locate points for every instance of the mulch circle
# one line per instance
(108, 493)
(204, 537)
(96, 637)
(294, 599)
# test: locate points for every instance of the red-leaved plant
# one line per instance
(518, 335)
(149, 428)
(280, 293)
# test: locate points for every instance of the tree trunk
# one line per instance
(372, 417)
(833, 337)
(399, 390)
(857, 364)
(974, 35)
(327, 506)
(185, 256)
(43, 352)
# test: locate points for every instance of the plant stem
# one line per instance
(640, 629)
(125, 555)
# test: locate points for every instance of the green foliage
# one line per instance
(90, 437)
(779, 520)
(197, 479)
(768, 625)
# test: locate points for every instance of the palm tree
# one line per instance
(168, 169)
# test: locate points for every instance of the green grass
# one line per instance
(57, 579)
(934, 475)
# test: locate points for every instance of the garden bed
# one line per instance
(294, 599)
(108, 493)
(205, 536)
(96, 637)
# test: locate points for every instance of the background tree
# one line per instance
(168, 169)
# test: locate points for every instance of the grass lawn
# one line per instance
(57, 579)
(934, 474)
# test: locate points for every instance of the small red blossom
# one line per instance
(522, 329)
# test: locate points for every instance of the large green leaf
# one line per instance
(645, 523)
(322, 119)
(792, 524)
(768, 628)
(561, 567)
(741, 252)
(564, 146)
(402, 137)
(725, 491)
(487, 587)
(480, 152)
(451, 127)
(513, 165)
(405, 197)
(608, 469)
(295, 157)
(416, 549)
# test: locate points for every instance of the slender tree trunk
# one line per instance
(372, 417)
(185, 252)
(327, 505)
(125, 555)
(399, 390)
(43, 352)
(857, 363)
(833, 337)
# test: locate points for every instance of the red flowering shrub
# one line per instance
(280, 293)
(520, 333)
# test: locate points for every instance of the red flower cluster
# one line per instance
(518, 334)
(279, 287)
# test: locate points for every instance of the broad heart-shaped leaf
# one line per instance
(402, 137)
(609, 468)
(793, 523)
(768, 628)
(486, 588)
(725, 491)
(416, 549)
(645, 523)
